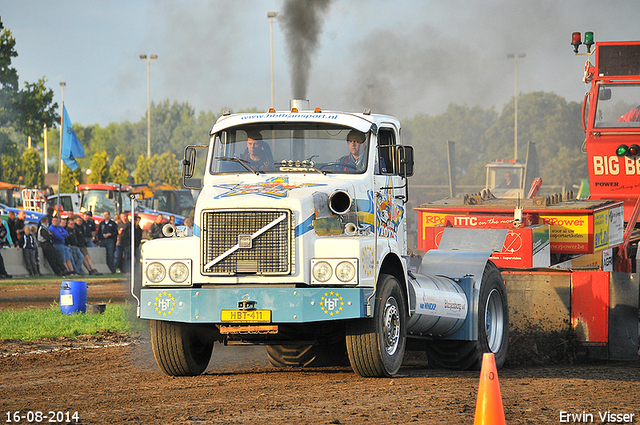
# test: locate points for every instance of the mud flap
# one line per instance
(623, 316)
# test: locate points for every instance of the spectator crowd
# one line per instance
(64, 242)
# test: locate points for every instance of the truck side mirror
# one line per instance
(188, 167)
(189, 162)
(604, 94)
(405, 161)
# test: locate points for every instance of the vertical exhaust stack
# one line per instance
(299, 104)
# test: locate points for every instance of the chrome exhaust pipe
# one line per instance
(168, 230)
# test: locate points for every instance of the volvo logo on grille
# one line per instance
(244, 241)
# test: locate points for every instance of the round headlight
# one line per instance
(345, 271)
(178, 272)
(156, 272)
(322, 271)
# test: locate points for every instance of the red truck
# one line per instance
(569, 262)
(114, 198)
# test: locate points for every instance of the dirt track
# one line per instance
(114, 379)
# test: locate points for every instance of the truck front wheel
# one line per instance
(376, 346)
(181, 349)
(493, 330)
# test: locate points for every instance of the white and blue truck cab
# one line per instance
(300, 244)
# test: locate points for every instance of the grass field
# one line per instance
(29, 324)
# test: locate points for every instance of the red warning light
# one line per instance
(576, 41)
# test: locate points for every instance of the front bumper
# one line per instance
(287, 305)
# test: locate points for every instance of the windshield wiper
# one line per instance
(242, 162)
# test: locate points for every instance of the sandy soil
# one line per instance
(113, 378)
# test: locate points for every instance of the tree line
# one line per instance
(117, 152)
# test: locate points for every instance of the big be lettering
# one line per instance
(610, 166)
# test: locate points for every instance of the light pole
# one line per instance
(271, 16)
(148, 59)
(63, 85)
(46, 155)
(515, 125)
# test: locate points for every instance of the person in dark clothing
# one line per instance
(5, 234)
(357, 158)
(137, 238)
(11, 222)
(77, 258)
(45, 239)
(3, 271)
(107, 236)
(509, 182)
(50, 213)
(82, 244)
(20, 225)
(155, 231)
(123, 244)
(29, 247)
(89, 228)
(258, 153)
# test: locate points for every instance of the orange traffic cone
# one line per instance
(489, 409)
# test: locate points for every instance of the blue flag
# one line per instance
(71, 147)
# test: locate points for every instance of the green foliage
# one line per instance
(70, 179)
(165, 168)
(118, 170)
(8, 76)
(30, 324)
(99, 168)
(168, 169)
(35, 108)
(429, 135)
(553, 125)
(32, 168)
(9, 156)
(144, 169)
(23, 113)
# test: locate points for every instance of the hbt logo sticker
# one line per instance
(165, 303)
(331, 303)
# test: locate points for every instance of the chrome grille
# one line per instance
(227, 240)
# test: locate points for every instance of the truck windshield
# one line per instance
(99, 201)
(618, 106)
(289, 147)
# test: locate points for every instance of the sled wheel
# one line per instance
(493, 330)
(376, 345)
(181, 349)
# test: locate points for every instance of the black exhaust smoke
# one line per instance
(302, 23)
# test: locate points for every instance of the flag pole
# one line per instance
(62, 84)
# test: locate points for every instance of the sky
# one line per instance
(400, 57)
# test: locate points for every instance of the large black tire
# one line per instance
(181, 349)
(493, 330)
(306, 355)
(376, 346)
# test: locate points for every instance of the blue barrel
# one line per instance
(73, 297)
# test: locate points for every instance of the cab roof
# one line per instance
(362, 122)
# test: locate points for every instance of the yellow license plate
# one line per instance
(245, 316)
